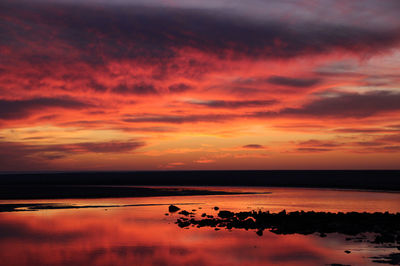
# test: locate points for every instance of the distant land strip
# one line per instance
(85, 192)
(388, 180)
(21, 207)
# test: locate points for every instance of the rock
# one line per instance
(173, 208)
(225, 214)
(183, 224)
(347, 251)
(186, 213)
(216, 208)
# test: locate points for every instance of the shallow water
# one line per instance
(144, 235)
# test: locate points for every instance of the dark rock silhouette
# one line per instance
(225, 214)
(173, 208)
(186, 213)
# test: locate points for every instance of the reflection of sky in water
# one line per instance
(145, 236)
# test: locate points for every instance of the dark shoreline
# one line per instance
(383, 180)
(30, 192)
(24, 207)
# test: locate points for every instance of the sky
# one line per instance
(211, 84)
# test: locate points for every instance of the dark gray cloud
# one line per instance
(311, 150)
(82, 147)
(369, 143)
(139, 89)
(253, 146)
(293, 82)
(16, 109)
(364, 130)
(341, 105)
(97, 86)
(391, 138)
(105, 147)
(376, 144)
(320, 143)
(15, 154)
(179, 119)
(179, 87)
(382, 149)
(86, 123)
(157, 34)
(233, 104)
(149, 129)
(350, 105)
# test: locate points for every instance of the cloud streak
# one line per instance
(232, 104)
(10, 150)
(179, 119)
(253, 146)
(17, 109)
(344, 105)
(293, 82)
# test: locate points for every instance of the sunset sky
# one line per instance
(199, 84)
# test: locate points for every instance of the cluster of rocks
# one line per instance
(385, 226)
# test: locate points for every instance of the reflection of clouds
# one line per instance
(21, 232)
(141, 236)
(295, 256)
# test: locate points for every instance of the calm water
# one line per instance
(144, 235)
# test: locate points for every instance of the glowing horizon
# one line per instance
(152, 85)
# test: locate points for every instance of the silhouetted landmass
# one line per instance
(17, 207)
(354, 179)
(67, 191)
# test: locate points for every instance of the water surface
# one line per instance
(144, 235)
